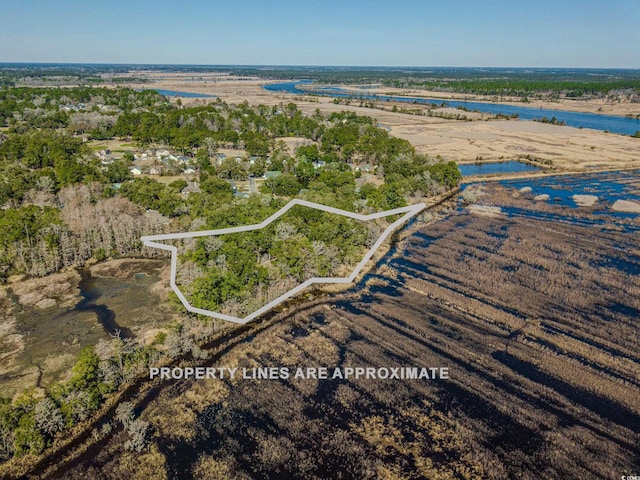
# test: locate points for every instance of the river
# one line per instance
(175, 93)
(609, 123)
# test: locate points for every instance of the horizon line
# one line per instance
(265, 65)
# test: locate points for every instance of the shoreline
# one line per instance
(63, 308)
(497, 177)
(610, 108)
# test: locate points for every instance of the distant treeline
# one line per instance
(523, 87)
(485, 81)
(572, 82)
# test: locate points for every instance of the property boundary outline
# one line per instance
(152, 241)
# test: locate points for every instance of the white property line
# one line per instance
(151, 241)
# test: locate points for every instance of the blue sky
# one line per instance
(536, 33)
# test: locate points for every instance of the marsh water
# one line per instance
(607, 186)
(510, 166)
(175, 93)
(609, 123)
(95, 292)
(54, 336)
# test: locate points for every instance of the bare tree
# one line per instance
(124, 413)
(138, 432)
(212, 146)
(48, 417)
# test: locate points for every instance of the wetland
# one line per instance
(533, 308)
(47, 327)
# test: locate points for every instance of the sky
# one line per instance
(464, 33)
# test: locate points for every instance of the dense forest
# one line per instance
(522, 87)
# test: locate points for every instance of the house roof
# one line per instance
(191, 187)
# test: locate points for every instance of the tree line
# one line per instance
(524, 87)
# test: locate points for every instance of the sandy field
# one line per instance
(626, 206)
(585, 200)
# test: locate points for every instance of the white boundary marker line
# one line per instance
(152, 241)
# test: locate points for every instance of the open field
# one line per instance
(533, 309)
(566, 147)
(114, 145)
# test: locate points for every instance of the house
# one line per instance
(189, 171)
(136, 171)
(192, 187)
(154, 171)
(220, 157)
